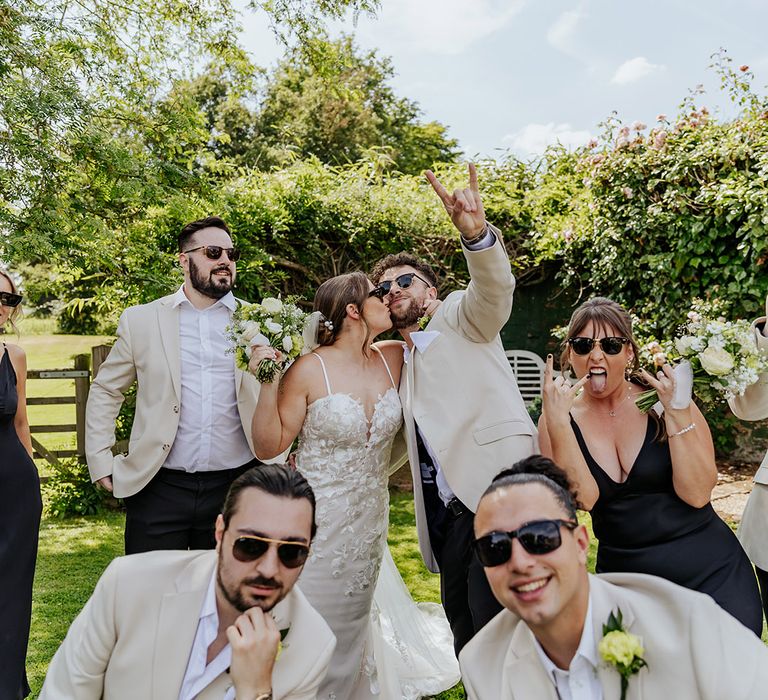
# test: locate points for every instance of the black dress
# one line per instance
(20, 509)
(642, 526)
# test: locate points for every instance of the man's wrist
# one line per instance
(470, 240)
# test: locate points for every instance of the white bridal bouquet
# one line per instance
(722, 355)
(272, 322)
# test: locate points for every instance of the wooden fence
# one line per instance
(81, 373)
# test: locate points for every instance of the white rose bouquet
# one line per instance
(722, 354)
(272, 322)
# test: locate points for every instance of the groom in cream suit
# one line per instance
(207, 625)
(545, 644)
(191, 435)
(464, 417)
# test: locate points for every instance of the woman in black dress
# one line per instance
(20, 507)
(646, 479)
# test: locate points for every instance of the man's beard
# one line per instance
(235, 597)
(214, 287)
(405, 318)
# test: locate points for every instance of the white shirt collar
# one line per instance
(421, 341)
(587, 648)
(228, 300)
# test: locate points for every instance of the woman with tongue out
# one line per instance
(646, 479)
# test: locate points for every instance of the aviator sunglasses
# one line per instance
(213, 252)
(610, 346)
(249, 548)
(403, 281)
(538, 537)
(10, 299)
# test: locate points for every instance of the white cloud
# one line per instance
(563, 33)
(438, 26)
(533, 139)
(635, 69)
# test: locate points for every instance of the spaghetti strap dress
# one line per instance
(643, 526)
(388, 647)
(20, 510)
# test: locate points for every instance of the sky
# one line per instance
(517, 75)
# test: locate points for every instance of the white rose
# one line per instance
(716, 361)
(287, 343)
(273, 327)
(272, 305)
(250, 330)
(684, 344)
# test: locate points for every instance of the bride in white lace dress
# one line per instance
(342, 402)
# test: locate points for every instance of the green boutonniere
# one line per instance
(280, 645)
(423, 322)
(621, 649)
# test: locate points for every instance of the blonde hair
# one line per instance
(16, 311)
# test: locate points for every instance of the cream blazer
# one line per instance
(694, 649)
(462, 392)
(133, 638)
(753, 405)
(147, 350)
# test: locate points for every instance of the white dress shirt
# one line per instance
(580, 681)
(210, 436)
(421, 341)
(199, 674)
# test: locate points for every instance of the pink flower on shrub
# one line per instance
(661, 117)
(622, 142)
(592, 143)
(597, 159)
(638, 126)
(624, 131)
(568, 234)
(659, 139)
(627, 192)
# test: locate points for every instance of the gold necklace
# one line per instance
(612, 412)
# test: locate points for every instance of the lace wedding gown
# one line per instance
(387, 646)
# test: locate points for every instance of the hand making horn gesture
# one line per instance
(463, 206)
(558, 394)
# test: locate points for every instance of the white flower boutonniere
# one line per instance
(623, 650)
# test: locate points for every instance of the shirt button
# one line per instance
(166, 447)
(175, 409)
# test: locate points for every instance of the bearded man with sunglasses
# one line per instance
(463, 414)
(191, 435)
(207, 625)
(545, 644)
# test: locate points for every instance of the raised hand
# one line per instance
(263, 352)
(254, 639)
(465, 207)
(558, 395)
(664, 383)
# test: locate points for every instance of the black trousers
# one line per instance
(762, 579)
(177, 510)
(467, 597)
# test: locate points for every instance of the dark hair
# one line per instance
(538, 469)
(606, 315)
(331, 300)
(399, 260)
(274, 479)
(194, 226)
(16, 310)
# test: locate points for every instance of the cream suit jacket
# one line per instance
(462, 392)
(753, 405)
(147, 350)
(133, 638)
(694, 649)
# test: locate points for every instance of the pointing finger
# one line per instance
(473, 179)
(437, 186)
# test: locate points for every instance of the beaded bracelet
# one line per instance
(685, 430)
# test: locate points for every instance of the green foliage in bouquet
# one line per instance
(280, 322)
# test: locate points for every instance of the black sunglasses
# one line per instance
(610, 346)
(377, 292)
(10, 299)
(538, 537)
(403, 281)
(249, 548)
(213, 252)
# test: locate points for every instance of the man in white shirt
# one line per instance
(545, 644)
(463, 414)
(191, 434)
(207, 625)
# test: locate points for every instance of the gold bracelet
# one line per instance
(685, 430)
(264, 696)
